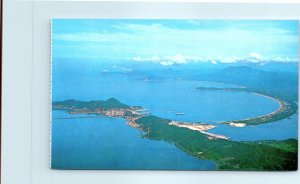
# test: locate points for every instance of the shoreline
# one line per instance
(285, 109)
(193, 138)
(132, 114)
(266, 118)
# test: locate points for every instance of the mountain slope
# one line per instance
(277, 84)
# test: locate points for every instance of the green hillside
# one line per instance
(227, 154)
(90, 105)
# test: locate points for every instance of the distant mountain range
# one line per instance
(274, 79)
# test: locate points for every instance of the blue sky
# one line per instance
(170, 42)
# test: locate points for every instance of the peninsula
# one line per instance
(194, 139)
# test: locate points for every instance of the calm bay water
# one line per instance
(109, 143)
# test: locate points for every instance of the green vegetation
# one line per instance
(289, 145)
(227, 154)
(287, 108)
(90, 105)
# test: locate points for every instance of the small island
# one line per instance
(193, 138)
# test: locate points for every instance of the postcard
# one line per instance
(174, 94)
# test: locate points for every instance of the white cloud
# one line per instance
(181, 59)
(166, 63)
(178, 59)
(285, 59)
(167, 60)
(256, 56)
(230, 59)
(154, 59)
(214, 62)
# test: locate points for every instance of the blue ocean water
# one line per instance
(108, 143)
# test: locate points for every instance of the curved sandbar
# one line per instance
(285, 109)
(199, 127)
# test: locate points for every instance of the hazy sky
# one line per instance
(176, 41)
